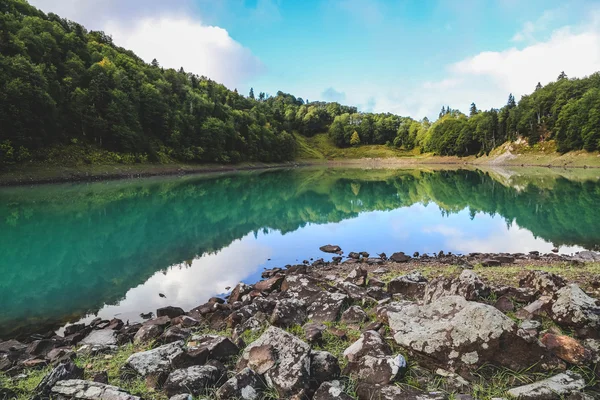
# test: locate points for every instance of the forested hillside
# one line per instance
(62, 86)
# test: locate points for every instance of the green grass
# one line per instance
(24, 388)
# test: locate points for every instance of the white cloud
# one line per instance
(183, 42)
(168, 32)
(487, 78)
(532, 28)
(330, 94)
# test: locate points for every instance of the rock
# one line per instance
(567, 349)
(183, 396)
(544, 282)
(531, 325)
(41, 347)
(520, 295)
(357, 276)
(356, 293)
(555, 387)
(490, 262)
(240, 290)
(302, 287)
(327, 307)
(174, 334)
(377, 293)
(100, 377)
(270, 284)
(147, 333)
(593, 345)
(194, 380)
(376, 370)
(86, 390)
(289, 312)
(219, 347)
(411, 285)
(324, 366)
(467, 285)
(330, 248)
(381, 271)
(313, 332)
(290, 373)
(374, 261)
(574, 309)
(392, 392)
(444, 332)
(374, 282)
(354, 315)
(185, 321)
(245, 385)
(338, 333)
(535, 309)
(331, 391)
(504, 304)
(101, 337)
(369, 343)
(155, 364)
(354, 255)
(170, 312)
(71, 329)
(60, 373)
(399, 257)
(60, 354)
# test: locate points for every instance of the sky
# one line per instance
(408, 57)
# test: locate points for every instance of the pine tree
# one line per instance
(155, 63)
(562, 76)
(511, 101)
(355, 139)
(473, 110)
(538, 86)
(251, 95)
(443, 112)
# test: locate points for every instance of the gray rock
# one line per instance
(544, 282)
(327, 307)
(357, 276)
(324, 366)
(399, 257)
(574, 309)
(219, 347)
(183, 396)
(289, 312)
(376, 369)
(314, 332)
(147, 333)
(552, 388)
(86, 390)
(531, 325)
(458, 333)
(155, 364)
(330, 248)
(411, 285)
(194, 380)
(392, 392)
(331, 391)
(62, 372)
(174, 334)
(286, 367)
(104, 337)
(467, 285)
(354, 315)
(369, 343)
(245, 385)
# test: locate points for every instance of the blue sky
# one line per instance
(404, 56)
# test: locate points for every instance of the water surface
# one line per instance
(75, 251)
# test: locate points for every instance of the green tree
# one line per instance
(355, 139)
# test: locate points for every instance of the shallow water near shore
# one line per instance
(74, 251)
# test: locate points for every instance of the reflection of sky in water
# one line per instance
(416, 228)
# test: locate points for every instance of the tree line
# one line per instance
(63, 85)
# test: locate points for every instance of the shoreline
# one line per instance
(48, 174)
(360, 300)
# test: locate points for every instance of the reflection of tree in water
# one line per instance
(69, 249)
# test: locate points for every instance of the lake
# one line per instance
(75, 251)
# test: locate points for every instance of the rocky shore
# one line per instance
(477, 326)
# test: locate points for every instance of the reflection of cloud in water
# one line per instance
(496, 237)
(188, 287)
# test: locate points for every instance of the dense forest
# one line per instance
(61, 85)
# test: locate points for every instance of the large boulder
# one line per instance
(170, 311)
(467, 285)
(330, 248)
(194, 380)
(572, 308)
(282, 358)
(86, 390)
(245, 385)
(556, 387)
(154, 365)
(62, 372)
(454, 333)
(411, 285)
(399, 257)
